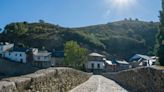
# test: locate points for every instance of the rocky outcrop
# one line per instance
(144, 79)
(46, 80)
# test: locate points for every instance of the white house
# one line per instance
(17, 55)
(95, 62)
(95, 65)
(42, 59)
(42, 56)
(4, 46)
(37, 58)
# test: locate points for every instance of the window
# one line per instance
(38, 58)
(1, 48)
(20, 54)
(15, 54)
(92, 65)
(98, 66)
(9, 53)
(21, 60)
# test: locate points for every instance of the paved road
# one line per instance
(98, 83)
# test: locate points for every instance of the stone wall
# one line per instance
(144, 79)
(46, 80)
(9, 68)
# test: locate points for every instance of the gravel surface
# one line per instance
(98, 83)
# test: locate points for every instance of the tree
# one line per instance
(137, 19)
(130, 19)
(125, 19)
(41, 21)
(75, 56)
(160, 37)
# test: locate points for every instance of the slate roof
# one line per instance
(58, 54)
(139, 56)
(20, 49)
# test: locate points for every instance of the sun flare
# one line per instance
(119, 7)
(121, 3)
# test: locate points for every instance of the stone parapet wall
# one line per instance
(46, 80)
(144, 79)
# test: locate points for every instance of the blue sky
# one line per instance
(77, 13)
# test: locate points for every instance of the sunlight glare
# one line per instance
(119, 7)
(121, 3)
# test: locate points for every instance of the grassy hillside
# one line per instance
(119, 39)
(125, 38)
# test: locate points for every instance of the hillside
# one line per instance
(120, 39)
(125, 38)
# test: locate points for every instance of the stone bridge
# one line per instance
(98, 83)
(144, 79)
(46, 80)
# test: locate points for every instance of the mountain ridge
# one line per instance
(120, 39)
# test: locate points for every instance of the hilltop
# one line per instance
(120, 39)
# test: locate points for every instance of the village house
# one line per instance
(122, 65)
(95, 63)
(141, 60)
(110, 66)
(5, 46)
(17, 55)
(57, 58)
(116, 65)
(42, 59)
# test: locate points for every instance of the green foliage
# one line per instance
(75, 56)
(17, 28)
(161, 36)
(127, 36)
(161, 55)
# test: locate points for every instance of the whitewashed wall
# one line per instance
(15, 56)
(89, 65)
